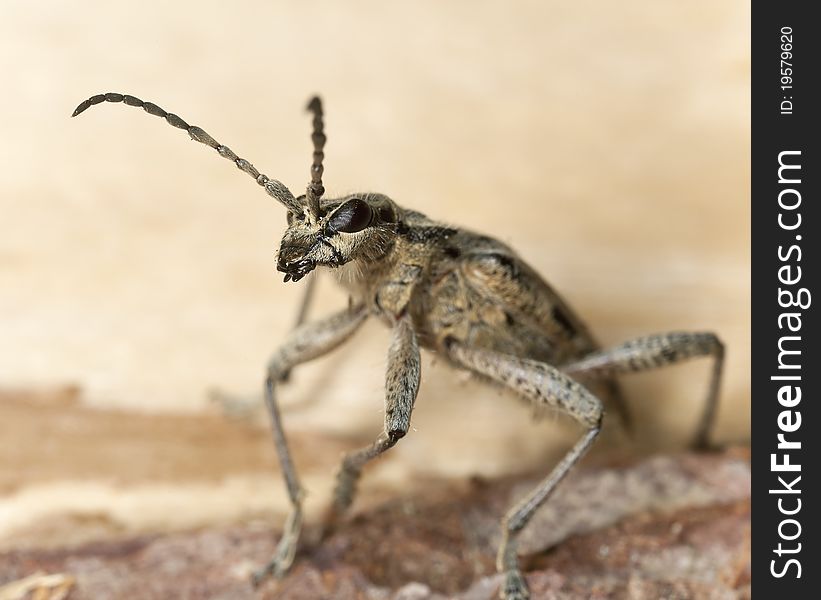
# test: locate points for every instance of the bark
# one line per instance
(665, 527)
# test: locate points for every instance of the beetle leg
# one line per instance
(655, 351)
(244, 407)
(401, 387)
(542, 384)
(305, 343)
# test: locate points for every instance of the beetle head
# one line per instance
(320, 231)
(354, 227)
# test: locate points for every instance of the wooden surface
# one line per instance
(609, 145)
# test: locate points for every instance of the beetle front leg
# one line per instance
(401, 387)
(244, 407)
(305, 343)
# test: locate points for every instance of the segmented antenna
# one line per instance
(275, 189)
(315, 188)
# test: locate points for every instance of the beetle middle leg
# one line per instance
(401, 387)
(305, 343)
(660, 350)
(542, 384)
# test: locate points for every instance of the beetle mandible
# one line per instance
(467, 297)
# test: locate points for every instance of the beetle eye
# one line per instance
(355, 215)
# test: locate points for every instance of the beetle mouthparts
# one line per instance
(294, 271)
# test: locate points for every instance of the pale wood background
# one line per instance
(608, 143)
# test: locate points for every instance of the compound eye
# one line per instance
(355, 215)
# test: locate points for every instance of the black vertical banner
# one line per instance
(786, 453)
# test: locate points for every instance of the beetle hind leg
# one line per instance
(660, 350)
(542, 384)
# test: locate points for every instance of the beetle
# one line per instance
(465, 296)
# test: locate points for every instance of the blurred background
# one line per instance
(607, 143)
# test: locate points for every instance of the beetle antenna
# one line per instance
(315, 188)
(274, 188)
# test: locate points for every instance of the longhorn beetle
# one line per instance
(465, 296)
